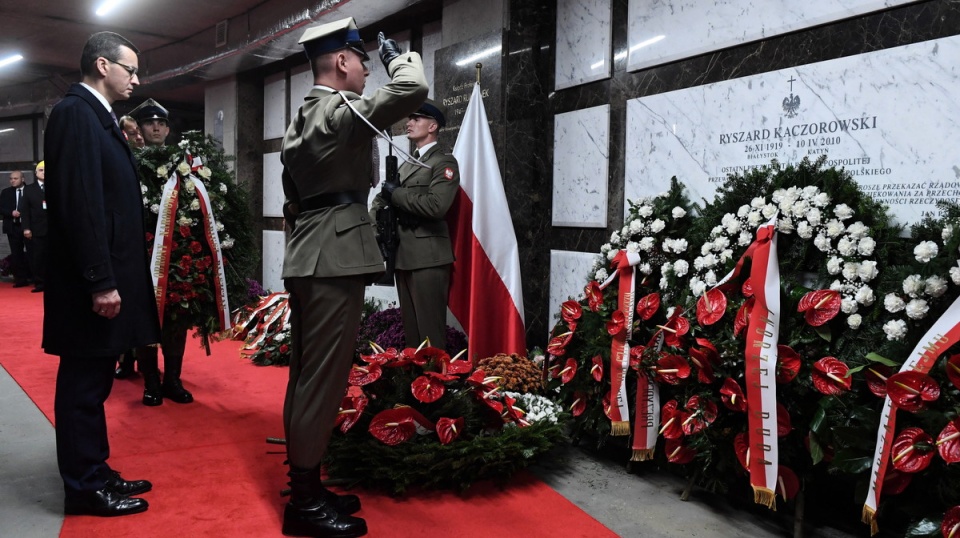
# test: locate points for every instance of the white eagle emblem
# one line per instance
(791, 104)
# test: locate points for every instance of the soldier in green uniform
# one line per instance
(424, 254)
(332, 251)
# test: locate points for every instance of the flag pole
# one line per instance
(479, 67)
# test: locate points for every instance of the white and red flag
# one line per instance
(485, 292)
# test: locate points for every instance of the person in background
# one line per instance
(98, 299)
(424, 254)
(332, 251)
(11, 200)
(125, 367)
(33, 214)
(132, 130)
(154, 122)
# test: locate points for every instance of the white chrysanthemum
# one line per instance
(850, 270)
(601, 275)
(835, 227)
(745, 238)
(726, 255)
(680, 245)
(913, 285)
(678, 212)
(742, 212)
(848, 305)
(822, 242)
(917, 309)
(925, 251)
(893, 303)
(605, 248)
(843, 211)
(612, 254)
(657, 226)
(846, 246)
(204, 172)
(821, 200)
(646, 269)
(636, 226)
(633, 247)
(935, 286)
(804, 230)
(754, 219)
(946, 233)
(681, 267)
(858, 230)
(865, 296)
(647, 243)
(955, 275)
(223, 188)
(866, 245)
(615, 238)
(768, 211)
(854, 321)
(867, 270)
(834, 265)
(195, 204)
(183, 168)
(813, 216)
(155, 208)
(895, 329)
(697, 286)
(645, 211)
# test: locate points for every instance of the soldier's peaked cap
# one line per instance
(150, 110)
(432, 109)
(319, 40)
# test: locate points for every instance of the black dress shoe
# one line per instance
(174, 390)
(343, 504)
(104, 503)
(116, 483)
(320, 520)
(125, 372)
(152, 393)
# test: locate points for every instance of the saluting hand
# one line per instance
(389, 50)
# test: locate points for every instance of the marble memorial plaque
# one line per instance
(583, 50)
(274, 106)
(569, 272)
(580, 167)
(891, 118)
(273, 197)
(274, 244)
(455, 74)
(664, 31)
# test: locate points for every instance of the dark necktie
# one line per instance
(19, 193)
(114, 116)
(416, 153)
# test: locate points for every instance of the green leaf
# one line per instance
(850, 462)
(873, 357)
(816, 451)
(823, 331)
(924, 527)
(817, 419)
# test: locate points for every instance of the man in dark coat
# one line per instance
(99, 296)
(11, 200)
(33, 213)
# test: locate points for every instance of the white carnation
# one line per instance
(769, 210)
(744, 239)
(866, 246)
(721, 243)
(647, 243)
(145, 201)
(854, 321)
(645, 211)
(935, 286)
(697, 286)
(895, 329)
(657, 226)
(155, 208)
(710, 278)
(809, 192)
(955, 275)
(858, 230)
(925, 251)
(754, 218)
(680, 267)
(601, 275)
(646, 269)
(843, 211)
(665, 268)
(893, 303)
(726, 255)
(778, 195)
(717, 230)
(680, 245)
(625, 232)
(834, 265)
(612, 254)
(848, 305)
(785, 225)
(835, 227)
(742, 212)
(219, 227)
(678, 212)
(846, 246)
(822, 242)
(836, 285)
(667, 245)
(804, 230)
(814, 216)
(633, 247)
(913, 285)
(615, 238)
(706, 248)
(865, 296)
(605, 248)
(867, 270)
(917, 309)
(664, 283)
(821, 200)
(850, 270)
(227, 243)
(758, 202)
(223, 188)
(946, 233)
(143, 189)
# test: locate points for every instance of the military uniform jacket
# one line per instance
(328, 149)
(426, 194)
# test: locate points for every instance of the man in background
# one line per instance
(33, 213)
(132, 130)
(98, 299)
(11, 199)
(154, 122)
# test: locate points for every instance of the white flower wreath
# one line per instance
(918, 292)
(806, 212)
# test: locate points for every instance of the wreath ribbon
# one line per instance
(623, 262)
(646, 424)
(213, 241)
(944, 333)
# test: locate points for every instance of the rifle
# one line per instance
(387, 236)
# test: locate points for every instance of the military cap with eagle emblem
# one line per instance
(150, 110)
(331, 37)
(434, 110)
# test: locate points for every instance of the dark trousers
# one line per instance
(423, 304)
(18, 255)
(37, 254)
(173, 342)
(324, 318)
(83, 384)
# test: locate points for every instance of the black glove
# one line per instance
(387, 192)
(389, 50)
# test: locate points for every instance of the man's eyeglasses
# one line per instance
(132, 71)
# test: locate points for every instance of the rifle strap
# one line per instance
(383, 134)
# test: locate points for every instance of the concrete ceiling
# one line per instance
(176, 38)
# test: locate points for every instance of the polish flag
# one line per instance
(485, 293)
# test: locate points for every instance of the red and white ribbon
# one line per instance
(944, 333)
(163, 240)
(213, 241)
(623, 263)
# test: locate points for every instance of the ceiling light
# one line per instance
(479, 55)
(107, 6)
(10, 59)
(7, 130)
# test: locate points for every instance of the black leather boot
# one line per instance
(309, 514)
(172, 387)
(152, 393)
(125, 368)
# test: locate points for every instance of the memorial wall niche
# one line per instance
(664, 31)
(890, 118)
(584, 37)
(580, 167)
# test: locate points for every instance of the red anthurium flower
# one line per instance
(672, 369)
(393, 426)
(557, 346)
(648, 305)
(403, 358)
(877, 376)
(670, 421)
(819, 306)
(381, 356)
(711, 307)
(572, 326)
(448, 429)
(364, 375)
(912, 450)
(594, 295)
(953, 370)
(636, 356)
(676, 327)
(787, 483)
(569, 370)
(948, 442)
(579, 403)
(747, 288)
(430, 354)
(606, 404)
(616, 323)
(743, 316)
(571, 311)
(911, 390)
(440, 376)
(679, 453)
(597, 369)
(513, 414)
(894, 482)
(457, 365)
(702, 413)
(732, 396)
(788, 364)
(784, 424)
(830, 376)
(427, 389)
(704, 358)
(951, 523)
(350, 409)
(741, 445)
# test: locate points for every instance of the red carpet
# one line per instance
(210, 466)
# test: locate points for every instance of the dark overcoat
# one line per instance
(33, 216)
(96, 236)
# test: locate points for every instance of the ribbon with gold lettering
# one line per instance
(944, 333)
(163, 240)
(623, 264)
(213, 241)
(646, 423)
